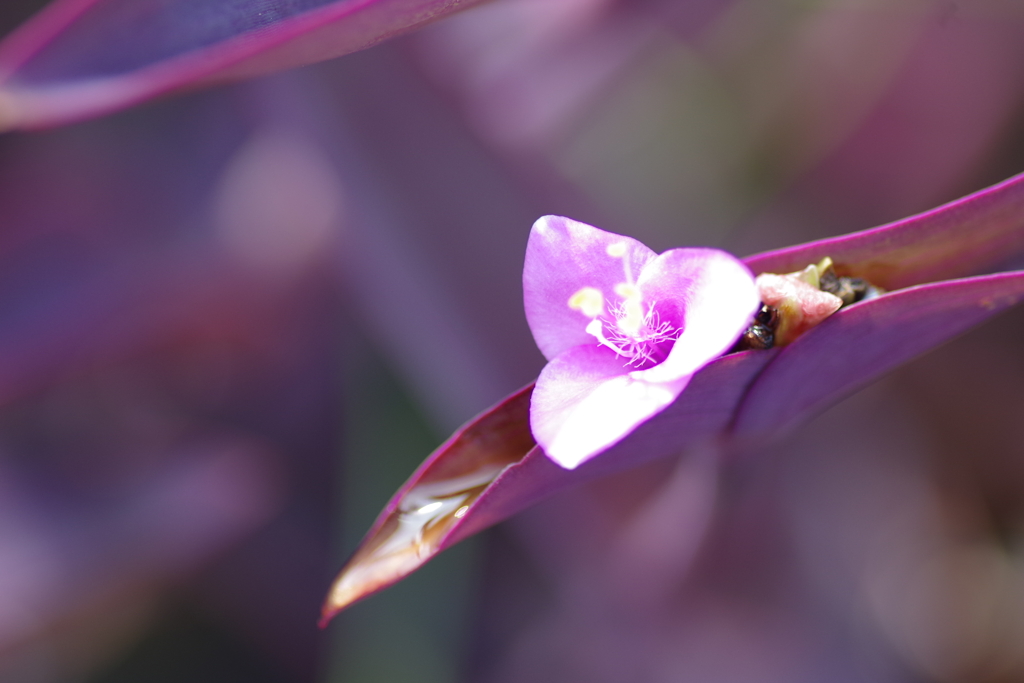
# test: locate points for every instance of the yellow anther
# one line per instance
(617, 249)
(632, 318)
(627, 291)
(589, 301)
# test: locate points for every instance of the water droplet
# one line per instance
(413, 528)
(410, 534)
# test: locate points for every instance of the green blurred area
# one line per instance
(416, 630)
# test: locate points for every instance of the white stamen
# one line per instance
(596, 328)
(619, 250)
(633, 315)
(638, 347)
(625, 329)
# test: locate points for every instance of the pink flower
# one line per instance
(490, 469)
(623, 329)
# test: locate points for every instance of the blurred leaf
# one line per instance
(81, 58)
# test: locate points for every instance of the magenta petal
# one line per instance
(700, 415)
(860, 343)
(80, 58)
(562, 257)
(711, 293)
(584, 402)
(971, 235)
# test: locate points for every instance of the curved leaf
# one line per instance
(968, 236)
(863, 342)
(490, 470)
(81, 58)
(418, 520)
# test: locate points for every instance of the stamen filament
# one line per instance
(640, 346)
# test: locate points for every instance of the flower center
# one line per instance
(628, 328)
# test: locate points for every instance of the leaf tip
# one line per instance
(387, 557)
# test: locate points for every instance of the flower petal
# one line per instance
(864, 341)
(80, 58)
(584, 402)
(715, 296)
(562, 257)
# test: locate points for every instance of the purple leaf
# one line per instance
(734, 398)
(420, 518)
(860, 343)
(965, 237)
(81, 58)
(490, 469)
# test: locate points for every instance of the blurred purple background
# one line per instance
(232, 323)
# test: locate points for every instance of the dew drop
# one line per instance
(410, 535)
(417, 523)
